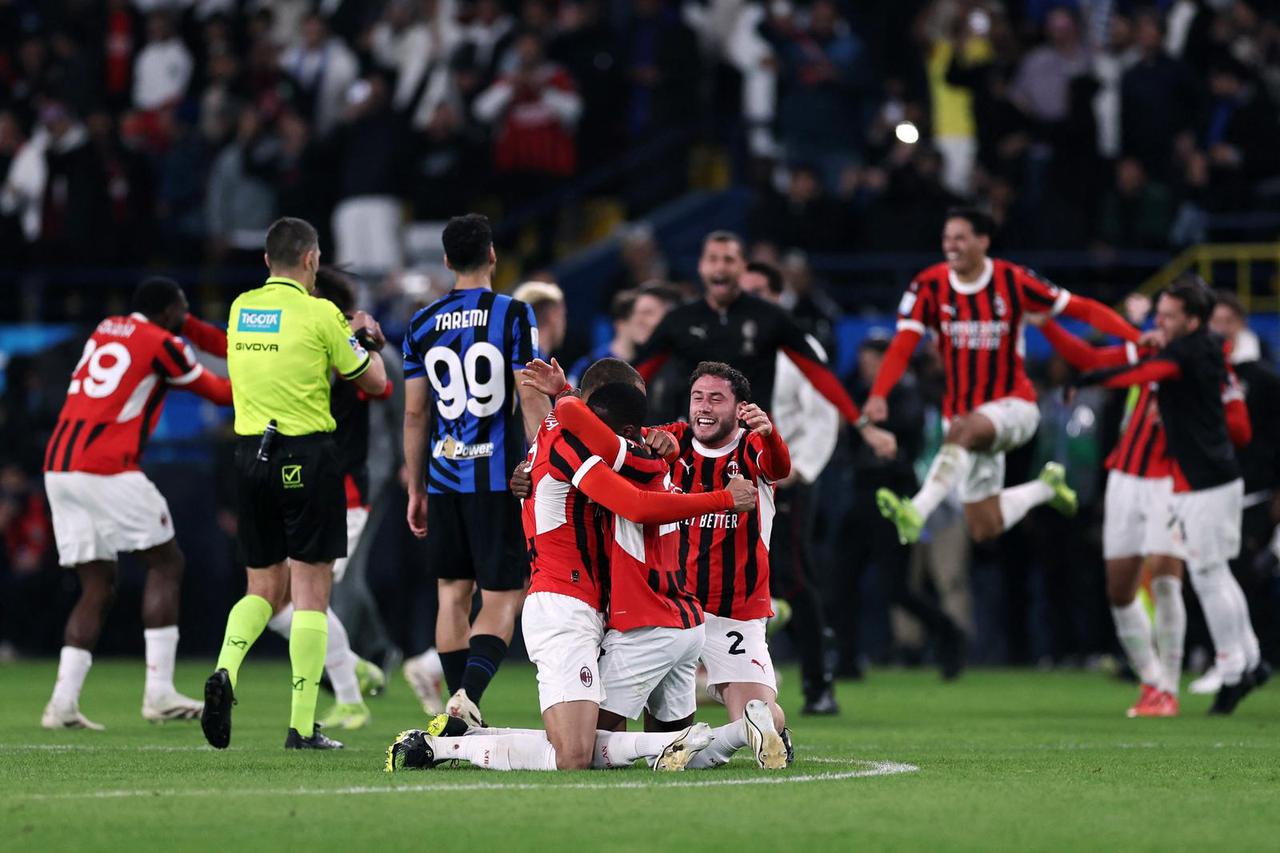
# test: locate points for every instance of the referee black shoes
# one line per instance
(215, 718)
(317, 741)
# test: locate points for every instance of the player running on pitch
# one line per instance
(977, 305)
(103, 504)
(563, 620)
(1138, 525)
(461, 357)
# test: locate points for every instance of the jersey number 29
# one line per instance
(107, 365)
(462, 389)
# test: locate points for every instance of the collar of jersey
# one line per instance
(717, 452)
(972, 287)
(279, 279)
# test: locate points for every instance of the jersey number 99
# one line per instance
(461, 389)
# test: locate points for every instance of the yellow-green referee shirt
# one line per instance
(282, 345)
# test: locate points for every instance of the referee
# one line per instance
(283, 345)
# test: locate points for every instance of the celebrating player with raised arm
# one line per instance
(977, 305)
(101, 501)
(563, 620)
(461, 356)
(1138, 524)
(1208, 492)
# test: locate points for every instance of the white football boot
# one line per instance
(765, 742)
(67, 717)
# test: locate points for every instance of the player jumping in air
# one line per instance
(977, 305)
(101, 501)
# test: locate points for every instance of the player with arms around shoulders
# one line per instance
(466, 422)
(977, 306)
(103, 504)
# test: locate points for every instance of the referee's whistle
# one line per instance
(268, 438)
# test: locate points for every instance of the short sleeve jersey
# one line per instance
(283, 344)
(980, 328)
(467, 345)
(115, 396)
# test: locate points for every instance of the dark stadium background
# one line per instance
(1107, 139)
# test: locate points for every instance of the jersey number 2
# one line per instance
(736, 647)
(463, 389)
(101, 378)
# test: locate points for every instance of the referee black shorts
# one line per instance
(293, 506)
(477, 537)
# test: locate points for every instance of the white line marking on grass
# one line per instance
(73, 747)
(868, 769)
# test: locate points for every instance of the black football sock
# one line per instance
(487, 652)
(453, 664)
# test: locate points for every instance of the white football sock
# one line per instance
(949, 467)
(340, 662)
(499, 752)
(162, 648)
(1133, 628)
(621, 749)
(1171, 629)
(1212, 584)
(727, 740)
(1017, 501)
(1252, 650)
(73, 666)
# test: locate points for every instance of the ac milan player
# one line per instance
(1138, 525)
(977, 306)
(570, 551)
(101, 501)
(734, 327)
(1208, 490)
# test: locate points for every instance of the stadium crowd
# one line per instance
(175, 133)
(1080, 124)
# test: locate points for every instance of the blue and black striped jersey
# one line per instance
(466, 344)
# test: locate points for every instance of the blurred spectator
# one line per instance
(324, 69)
(130, 192)
(824, 82)
(547, 300)
(241, 204)
(661, 56)
(1136, 211)
(119, 39)
(490, 32)
(1109, 66)
(807, 301)
(182, 181)
(12, 139)
(74, 209)
(642, 260)
(803, 217)
(999, 126)
(366, 222)
(588, 49)
(1041, 86)
(1241, 133)
(1158, 100)
(412, 39)
(635, 314)
(958, 42)
(163, 67)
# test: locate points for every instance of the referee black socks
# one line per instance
(486, 654)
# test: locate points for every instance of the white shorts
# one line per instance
(1015, 421)
(562, 636)
(654, 668)
(357, 518)
(1137, 516)
(736, 653)
(1207, 527)
(99, 516)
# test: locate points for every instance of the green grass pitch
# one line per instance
(1007, 760)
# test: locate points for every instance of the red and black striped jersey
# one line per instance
(1141, 450)
(980, 328)
(726, 554)
(116, 393)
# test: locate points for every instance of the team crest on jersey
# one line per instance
(585, 676)
(732, 469)
(749, 331)
(450, 448)
(1001, 308)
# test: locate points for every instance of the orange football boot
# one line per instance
(1147, 699)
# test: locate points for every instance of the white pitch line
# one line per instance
(72, 747)
(870, 769)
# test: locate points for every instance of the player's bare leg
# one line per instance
(453, 628)
(653, 724)
(84, 625)
(161, 596)
(486, 648)
(571, 728)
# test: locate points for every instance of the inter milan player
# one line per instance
(1137, 525)
(461, 356)
(731, 326)
(571, 541)
(1208, 489)
(104, 505)
(977, 305)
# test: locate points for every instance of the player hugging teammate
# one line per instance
(606, 554)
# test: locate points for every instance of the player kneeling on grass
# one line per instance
(567, 526)
(103, 504)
